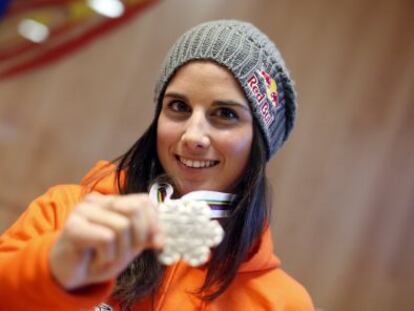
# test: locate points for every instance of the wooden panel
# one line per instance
(343, 199)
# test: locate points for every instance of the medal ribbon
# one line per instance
(219, 202)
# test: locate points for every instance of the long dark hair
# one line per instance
(139, 166)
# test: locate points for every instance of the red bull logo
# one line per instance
(254, 87)
(271, 88)
(264, 89)
(265, 110)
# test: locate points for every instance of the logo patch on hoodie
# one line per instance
(104, 307)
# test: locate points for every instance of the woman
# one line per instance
(224, 105)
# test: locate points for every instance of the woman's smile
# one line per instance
(198, 164)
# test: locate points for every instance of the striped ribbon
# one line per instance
(219, 202)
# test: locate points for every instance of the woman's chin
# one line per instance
(184, 188)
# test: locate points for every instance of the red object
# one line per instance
(17, 55)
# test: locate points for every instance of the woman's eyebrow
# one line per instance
(176, 96)
(231, 103)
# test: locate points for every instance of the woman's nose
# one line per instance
(196, 134)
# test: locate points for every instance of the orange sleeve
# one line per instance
(25, 279)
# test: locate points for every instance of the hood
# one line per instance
(262, 256)
(101, 178)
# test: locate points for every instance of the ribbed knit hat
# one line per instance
(254, 61)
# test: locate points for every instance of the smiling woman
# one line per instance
(205, 129)
(224, 105)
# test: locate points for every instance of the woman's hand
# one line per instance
(101, 237)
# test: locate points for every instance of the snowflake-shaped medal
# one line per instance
(189, 231)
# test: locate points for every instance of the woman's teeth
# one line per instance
(197, 163)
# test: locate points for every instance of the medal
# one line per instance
(188, 225)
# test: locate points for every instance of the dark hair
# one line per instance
(136, 171)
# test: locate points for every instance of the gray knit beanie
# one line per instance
(254, 61)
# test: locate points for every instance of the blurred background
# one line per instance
(78, 88)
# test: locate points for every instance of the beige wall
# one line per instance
(343, 185)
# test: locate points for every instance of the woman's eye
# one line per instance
(227, 114)
(178, 106)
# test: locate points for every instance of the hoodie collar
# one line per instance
(262, 256)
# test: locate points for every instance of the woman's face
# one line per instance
(205, 129)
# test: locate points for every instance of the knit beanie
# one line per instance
(255, 63)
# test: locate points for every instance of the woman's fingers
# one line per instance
(117, 224)
(79, 244)
(140, 215)
(140, 210)
(101, 236)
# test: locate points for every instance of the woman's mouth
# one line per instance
(197, 163)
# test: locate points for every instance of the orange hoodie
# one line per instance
(27, 284)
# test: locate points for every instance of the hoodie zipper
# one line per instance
(165, 288)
